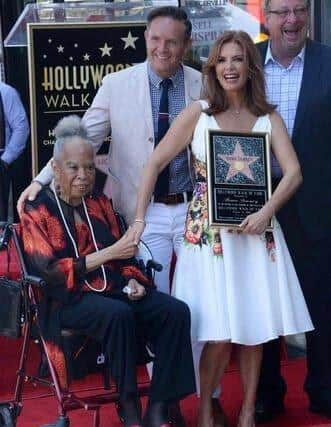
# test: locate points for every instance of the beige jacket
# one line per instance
(123, 105)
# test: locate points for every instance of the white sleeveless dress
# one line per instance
(239, 288)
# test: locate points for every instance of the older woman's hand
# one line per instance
(256, 223)
(125, 247)
(137, 291)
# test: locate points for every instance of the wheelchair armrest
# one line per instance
(153, 265)
(35, 281)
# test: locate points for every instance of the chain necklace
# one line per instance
(73, 240)
(236, 111)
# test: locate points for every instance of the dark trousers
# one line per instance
(312, 262)
(115, 322)
(5, 179)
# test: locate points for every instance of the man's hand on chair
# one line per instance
(30, 193)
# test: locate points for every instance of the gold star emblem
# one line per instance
(239, 163)
(105, 50)
(129, 41)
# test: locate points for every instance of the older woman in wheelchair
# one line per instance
(94, 284)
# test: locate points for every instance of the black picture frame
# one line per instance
(238, 175)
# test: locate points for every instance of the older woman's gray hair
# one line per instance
(68, 129)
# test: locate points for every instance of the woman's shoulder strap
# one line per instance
(264, 123)
(204, 104)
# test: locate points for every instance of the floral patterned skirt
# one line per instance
(240, 288)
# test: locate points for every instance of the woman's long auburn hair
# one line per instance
(255, 96)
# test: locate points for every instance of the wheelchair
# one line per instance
(20, 318)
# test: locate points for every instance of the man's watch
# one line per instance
(40, 183)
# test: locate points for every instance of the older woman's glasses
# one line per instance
(299, 12)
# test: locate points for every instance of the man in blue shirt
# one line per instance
(298, 73)
(14, 131)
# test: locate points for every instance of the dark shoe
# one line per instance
(219, 416)
(157, 415)
(320, 406)
(175, 416)
(266, 411)
(157, 425)
(130, 414)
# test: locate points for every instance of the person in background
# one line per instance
(297, 72)
(72, 240)
(241, 287)
(14, 132)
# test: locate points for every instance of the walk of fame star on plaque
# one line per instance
(239, 162)
(238, 175)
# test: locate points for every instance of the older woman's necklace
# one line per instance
(73, 240)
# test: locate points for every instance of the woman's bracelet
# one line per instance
(142, 221)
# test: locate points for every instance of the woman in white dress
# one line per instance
(241, 286)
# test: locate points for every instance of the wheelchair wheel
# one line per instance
(7, 418)
(60, 422)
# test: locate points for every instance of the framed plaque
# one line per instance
(238, 175)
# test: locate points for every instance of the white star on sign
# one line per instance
(129, 41)
(60, 48)
(105, 50)
(86, 57)
(239, 163)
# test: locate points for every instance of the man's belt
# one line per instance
(173, 199)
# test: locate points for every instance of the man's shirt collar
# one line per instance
(269, 57)
(155, 79)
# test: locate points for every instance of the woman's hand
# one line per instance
(125, 247)
(137, 291)
(255, 223)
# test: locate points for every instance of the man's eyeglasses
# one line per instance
(299, 12)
